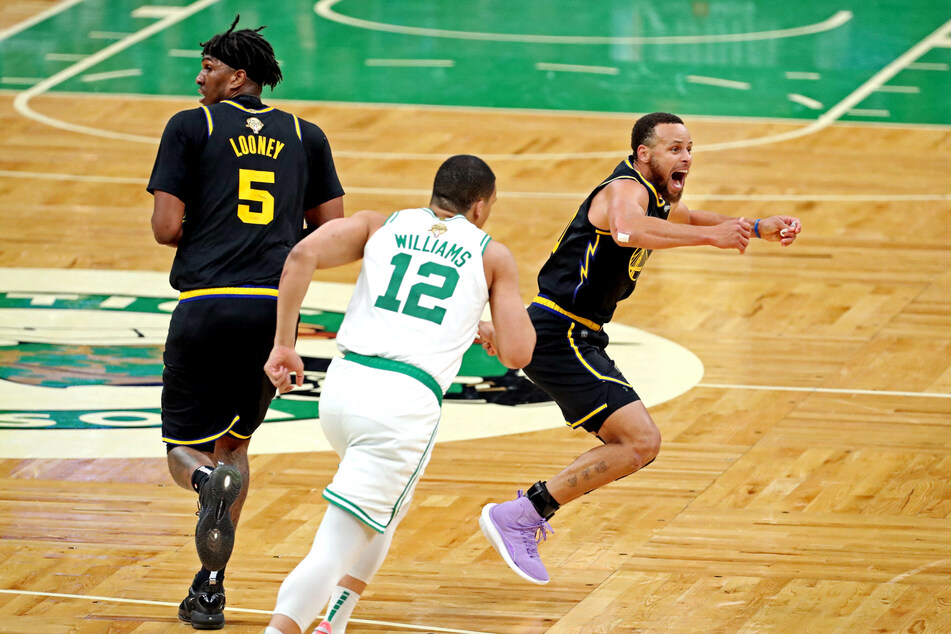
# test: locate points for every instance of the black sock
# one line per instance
(199, 476)
(542, 500)
(204, 574)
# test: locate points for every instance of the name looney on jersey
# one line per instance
(428, 244)
(253, 144)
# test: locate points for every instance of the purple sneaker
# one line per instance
(513, 529)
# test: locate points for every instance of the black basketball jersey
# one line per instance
(588, 273)
(246, 173)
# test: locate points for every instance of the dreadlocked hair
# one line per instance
(245, 49)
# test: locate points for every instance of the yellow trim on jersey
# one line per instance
(645, 182)
(237, 435)
(585, 363)
(297, 127)
(581, 421)
(547, 303)
(211, 124)
(229, 290)
(201, 440)
(240, 107)
(602, 232)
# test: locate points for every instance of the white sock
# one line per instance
(342, 602)
(272, 630)
(339, 541)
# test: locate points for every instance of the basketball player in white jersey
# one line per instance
(427, 275)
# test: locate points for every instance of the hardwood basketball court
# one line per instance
(803, 484)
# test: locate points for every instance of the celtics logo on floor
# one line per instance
(81, 370)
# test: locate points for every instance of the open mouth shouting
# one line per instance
(675, 185)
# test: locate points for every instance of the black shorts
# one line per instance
(214, 381)
(571, 366)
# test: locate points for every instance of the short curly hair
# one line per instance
(643, 131)
(461, 181)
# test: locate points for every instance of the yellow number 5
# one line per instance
(246, 191)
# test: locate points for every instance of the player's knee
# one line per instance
(644, 447)
(649, 446)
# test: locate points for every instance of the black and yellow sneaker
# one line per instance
(204, 608)
(214, 533)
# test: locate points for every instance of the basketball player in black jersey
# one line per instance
(234, 182)
(595, 264)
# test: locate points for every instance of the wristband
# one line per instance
(756, 228)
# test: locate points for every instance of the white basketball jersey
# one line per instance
(420, 294)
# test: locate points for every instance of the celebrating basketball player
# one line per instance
(594, 265)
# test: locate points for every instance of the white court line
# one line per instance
(803, 100)
(829, 198)
(823, 390)
(65, 57)
(577, 68)
(21, 81)
(324, 8)
(38, 18)
(922, 568)
(911, 90)
(797, 75)
(412, 63)
(119, 180)
(869, 112)
(85, 597)
(391, 191)
(856, 97)
(156, 11)
(716, 81)
(22, 101)
(929, 66)
(112, 74)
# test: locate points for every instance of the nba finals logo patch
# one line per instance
(437, 229)
(81, 370)
(255, 124)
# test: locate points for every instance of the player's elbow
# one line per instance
(166, 234)
(625, 238)
(516, 362)
(302, 257)
(519, 352)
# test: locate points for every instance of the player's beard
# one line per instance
(662, 187)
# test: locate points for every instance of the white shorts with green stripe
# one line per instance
(382, 423)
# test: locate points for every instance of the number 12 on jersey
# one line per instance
(447, 278)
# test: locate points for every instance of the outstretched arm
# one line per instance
(338, 242)
(782, 229)
(622, 208)
(510, 334)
